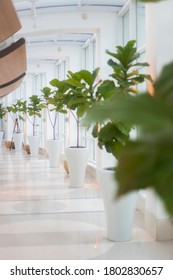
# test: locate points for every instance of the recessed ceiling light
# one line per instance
(84, 15)
(59, 49)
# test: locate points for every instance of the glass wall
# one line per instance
(140, 24)
(61, 70)
(38, 83)
(89, 63)
(126, 27)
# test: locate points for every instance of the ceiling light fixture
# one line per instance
(84, 16)
(59, 49)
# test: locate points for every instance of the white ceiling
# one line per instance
(41, 6)
(32, 9)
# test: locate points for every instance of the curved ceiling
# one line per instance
(41, 6)
(34, 8)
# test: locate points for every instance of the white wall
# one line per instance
(159, 41)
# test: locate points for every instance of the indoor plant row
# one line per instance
(18, 112)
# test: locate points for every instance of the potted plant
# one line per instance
(17, 111)
(113, 135)
(2, 115)
(54, 102)
(147, 161)
(78, 98)
(34, 108)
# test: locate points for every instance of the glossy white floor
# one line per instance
(41, 217)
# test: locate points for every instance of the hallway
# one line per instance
(41, 217)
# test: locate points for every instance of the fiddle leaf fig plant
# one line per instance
(17, 110)
(114, 133)
(80, 96)
(3, 111)
(54, 101)
(146, 161)
(34, 108)
(125, 68)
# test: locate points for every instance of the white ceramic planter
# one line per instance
(119, 211)
(1, 136)
(54, 148)
(34, 142)
(77, 161)
(18, 140)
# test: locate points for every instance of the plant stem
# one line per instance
(78, 132)
(54, 126)
(34, 125)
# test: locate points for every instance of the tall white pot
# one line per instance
(119, 211)
(77, 161)
(1, 136)
(34, 142)
(18, 140)
(54, 148)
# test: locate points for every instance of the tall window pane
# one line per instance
(140, 25)
(126, 27)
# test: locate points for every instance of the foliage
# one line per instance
(54, 101)
(2, 111)
(124, 67)
(154, 147)
(112, 137)
(18, 110)
(150, 1)
(114, 133)
(34, 108)
(81, 93)
(148, 160)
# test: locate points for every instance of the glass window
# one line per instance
(94, 54)
(140, 24)
(126, 27)
(87, 58)
(93, 148)
(92, 58)
(61, 127)
(38, 85)
(89, 64)
(62, 70)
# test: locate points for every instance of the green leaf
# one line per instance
(112, 137)
(86, 76)
(82, 110)
(147, 164)
(95, 131)
(74, 83)
(106, 89)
